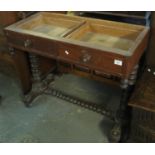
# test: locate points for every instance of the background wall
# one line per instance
(151, 49)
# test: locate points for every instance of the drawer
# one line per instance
(94, 59)
(80, 55)
(43, 46)
(110, 64)
(29, 43)
(16, 39)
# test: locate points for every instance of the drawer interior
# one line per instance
(52, 25)
(107, 36)
(103, 35)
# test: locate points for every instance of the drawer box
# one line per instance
(91, 58)
(16, 39)
(78, 55)
(107, 64)
(31, 43)
(102, 45)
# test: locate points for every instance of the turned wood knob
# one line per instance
(86, 57)
(27, 43)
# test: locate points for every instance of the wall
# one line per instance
(151, 49)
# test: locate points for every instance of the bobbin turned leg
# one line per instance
(120, 128)
(115, 134)
(0, 100)
(133, 78)
(127, 114)
(38, 85)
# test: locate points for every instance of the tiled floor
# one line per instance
(51, 119)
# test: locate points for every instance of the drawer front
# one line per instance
(43, 46)
(94, 59)
(78, 55)
(16, 39)
(31, 43)
(110, 64)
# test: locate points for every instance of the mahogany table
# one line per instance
(96, 47)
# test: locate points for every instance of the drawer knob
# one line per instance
(27, 43)
(86, 57)
(66, 52)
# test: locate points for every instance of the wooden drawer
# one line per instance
(110, 64)
(95, 59)
(34, 44)
(110, 47)
(77, 54)
(16, 39)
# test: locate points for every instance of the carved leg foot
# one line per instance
(38, 88)
(29, 98)
(115, 133)
(39, 85)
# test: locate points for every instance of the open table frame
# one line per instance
(111, 48)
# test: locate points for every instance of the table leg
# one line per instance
(0, 100)
(38, 85)
(121, 126)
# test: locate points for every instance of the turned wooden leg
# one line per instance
(127, 115)
(115, 134)
(37, 85)
(0, 100)
(121, 126)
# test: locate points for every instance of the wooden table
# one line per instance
(94, 46)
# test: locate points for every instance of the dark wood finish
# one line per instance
(0, 100)
(144, 95)
(37, 45)
(98, 60)
(65, 67)
(131, 61)
(142, 134)
(144, 118)
(8, 17)
(19, 63)
(135, 37)
(143, 108)
(143, 98)
(19, 60)
(46, 66)
(97, 47)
